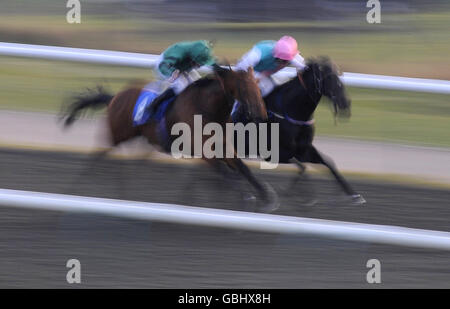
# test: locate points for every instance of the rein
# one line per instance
(222, 85)
(317, 83)
(300, 78)
(285, 115)
(292, 120)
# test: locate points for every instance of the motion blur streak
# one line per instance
(393, 150)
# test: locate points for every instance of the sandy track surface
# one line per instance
(35, 245)
(43, 131)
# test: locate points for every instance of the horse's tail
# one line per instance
(91, 98)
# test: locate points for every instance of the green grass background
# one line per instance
(416, 45)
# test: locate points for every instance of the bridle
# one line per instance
(318, 84)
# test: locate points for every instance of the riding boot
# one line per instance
(169, 93)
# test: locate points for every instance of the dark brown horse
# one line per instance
(211, 97)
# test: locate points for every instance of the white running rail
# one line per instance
(381, 234)
(147, 61)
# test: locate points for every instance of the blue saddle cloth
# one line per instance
(141, 114)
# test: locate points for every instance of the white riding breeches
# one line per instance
(163, 82)
(266, 83)
(184, 80)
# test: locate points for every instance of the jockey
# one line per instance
(268, 57)
(177, 65)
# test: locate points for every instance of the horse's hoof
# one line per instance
(249, 202)
(249, 197)
(270, 200)
(357, 199)
(310, 203)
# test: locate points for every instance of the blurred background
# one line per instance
(412, 40)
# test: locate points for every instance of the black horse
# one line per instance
(292, 106)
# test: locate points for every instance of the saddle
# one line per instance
(142, 114)
(142, 109)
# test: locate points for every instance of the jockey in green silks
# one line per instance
(268, 57)
(177, 65)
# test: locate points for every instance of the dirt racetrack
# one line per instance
(35, 245)
(43, 131)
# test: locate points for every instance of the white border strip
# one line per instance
(381, 234)
(147, 61)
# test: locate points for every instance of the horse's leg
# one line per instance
(316, 157)
(118, 169)
(300, 173)
(289, 153)
(288, 156)
(223, 169)
(90, 167)
(230, 176)
(113, 140)
(310, 193)
(268, 194)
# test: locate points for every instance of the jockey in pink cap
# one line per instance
(268, 57)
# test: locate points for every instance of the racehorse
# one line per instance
(212, 97)
(292, 106)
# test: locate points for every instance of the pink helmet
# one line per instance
(285, 48)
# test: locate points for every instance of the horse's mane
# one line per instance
(325, 65)
(209, 79)
(203, 82)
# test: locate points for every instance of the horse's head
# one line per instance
(327, 81)
(242, 86)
